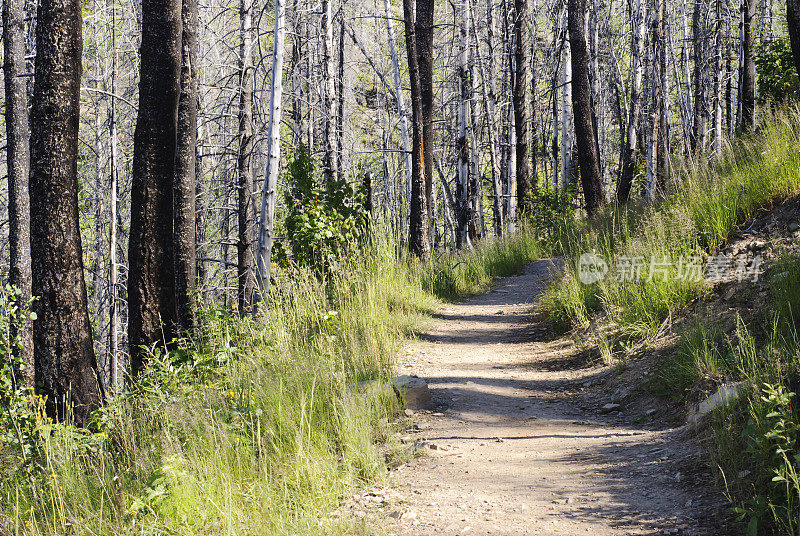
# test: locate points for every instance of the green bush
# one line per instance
(778, 81)
(326, 219)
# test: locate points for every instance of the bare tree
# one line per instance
(66, 370)
(328, 91)
(244, 162)
(748, 91)
(268, 194)
(418, 237)
(793, 24)
(151, 281)
(18, 165)
(184, 242)
(631, 136)
(519, 86)
(588, 158)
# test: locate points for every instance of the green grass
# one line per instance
(755, 443)
(257, 427)
(454, 275)
(709, 200)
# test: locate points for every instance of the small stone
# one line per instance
(408, 412)
(743, 474)
(793, 226)
(649, 412)
(408, 516)
(413, 391)
(608, 408)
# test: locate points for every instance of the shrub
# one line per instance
(326, 219)
(778, 81)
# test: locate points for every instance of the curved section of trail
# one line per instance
(518, 445)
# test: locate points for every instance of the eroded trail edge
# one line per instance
(520, 442)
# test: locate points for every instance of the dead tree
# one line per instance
(244, 162)
(66, 370)
(519, 86)
(18, 166)
(588, 158)
(793, 24)
(634, 111)
(418, 236)
(184, 242)
(152, 315)
(748, 76)
(266, 220)
(328, 92)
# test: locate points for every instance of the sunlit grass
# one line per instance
(707, 202)
(260, 425)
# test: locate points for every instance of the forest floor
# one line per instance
(521, 443)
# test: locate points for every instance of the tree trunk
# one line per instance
(18, 166)
(698, 126)
(184, 242)
(489, 104)
(66, 370)
(418, 235)
(340, 104)
(534, 104)
(629, 151)
(151, 282)
(424, 35)
(245, 166)
(268, 194)
(793, 23)
(582, 109)
(719, 73)
(748, 66)
(519, 86)
(328, 92)
(401, 105)
(463, 186)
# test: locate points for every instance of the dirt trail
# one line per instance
(520, 444)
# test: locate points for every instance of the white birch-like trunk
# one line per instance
(566, 109)
(267, 214)
(398, 89)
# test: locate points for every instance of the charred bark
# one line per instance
(66, 369)
(151, 282)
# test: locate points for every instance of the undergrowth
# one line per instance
(653, 251)
(256, 426)
(649, 250)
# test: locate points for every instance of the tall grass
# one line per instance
(260, 426)
(707, 202)
(455, 275)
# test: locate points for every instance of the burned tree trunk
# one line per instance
(588, 158)
(245, 165)
(519, 85)
(18, 166)
(748, 66)
(629, 147)
(184, 242)
(266, 223)
(418, 236)
(793, 24)
(66, 370)
(152, 314)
